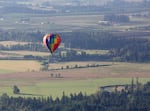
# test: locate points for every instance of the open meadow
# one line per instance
(33, 82)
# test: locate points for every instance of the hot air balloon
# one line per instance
(52, 41)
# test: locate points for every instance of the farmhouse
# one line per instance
(125, 87)
(105, 23)
(112, 88)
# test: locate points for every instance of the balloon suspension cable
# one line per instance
(49, 58)
(48, 61)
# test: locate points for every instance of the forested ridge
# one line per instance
(121, 46)
(129, 99)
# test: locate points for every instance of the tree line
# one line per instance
(135, 52)
(136, 99)
(102, 40)
(117, 18)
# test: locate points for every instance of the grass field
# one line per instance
(56, 88)
(86, 80)
(18, 66)
(23, 53)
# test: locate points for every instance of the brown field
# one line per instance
(113, 70)
(19, 65)
(71, 74)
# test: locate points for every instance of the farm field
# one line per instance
(66, 23)
(86, 80)
(22, 53)
(55, 88)
(18, 66)
(11, 43)
(48, 22)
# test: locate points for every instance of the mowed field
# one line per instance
(33, 82)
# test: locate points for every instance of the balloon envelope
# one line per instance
(52, 41)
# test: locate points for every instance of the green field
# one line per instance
(56, 88)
